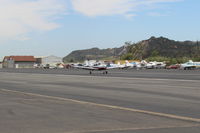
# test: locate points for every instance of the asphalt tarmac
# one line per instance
(124, 101)
(144, 73)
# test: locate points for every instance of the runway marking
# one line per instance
(109, 106)
(133, 129)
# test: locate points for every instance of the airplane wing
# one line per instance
(92, 68)
(84, 67)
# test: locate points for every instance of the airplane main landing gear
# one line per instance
(106, 72)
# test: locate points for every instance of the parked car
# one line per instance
(176, 66)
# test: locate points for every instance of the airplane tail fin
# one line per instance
(87, 63)
(127, 62)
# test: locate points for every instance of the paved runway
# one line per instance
(149, 73)
(124, 101)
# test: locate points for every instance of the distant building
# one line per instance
(19, 62)
(48, 61)
(1, 64)
(38, 62)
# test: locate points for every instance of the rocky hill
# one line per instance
(164, 47)
(161, 46)
(95, 54)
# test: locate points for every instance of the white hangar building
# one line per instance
(49, 60)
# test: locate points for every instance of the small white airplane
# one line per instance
(152, 65)
(93, 68)
(126, 65)
(156, 64)
(190, 65)
(121, 66)
(96, 67)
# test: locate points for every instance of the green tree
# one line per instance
(71, 60)
(128, 56)
(154, 53)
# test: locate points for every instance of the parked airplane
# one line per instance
(152, 65)
(96, 67)
(190, 65)
(127, 65)
(159, 65)
(121, 66)
(93, 68)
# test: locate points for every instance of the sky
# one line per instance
(57, 27)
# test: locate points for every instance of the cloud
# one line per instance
(101, 7)
(113, 7)
(20, 17)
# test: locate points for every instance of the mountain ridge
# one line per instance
(144, 49)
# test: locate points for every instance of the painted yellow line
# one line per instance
(133, 129)
(109, 106)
